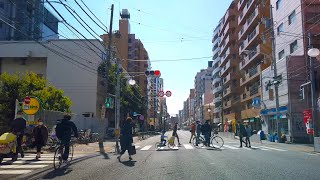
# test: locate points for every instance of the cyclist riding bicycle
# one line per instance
(162, 139)
(64, 131)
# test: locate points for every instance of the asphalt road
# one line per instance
(187, 162)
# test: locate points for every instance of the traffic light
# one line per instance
(110, 102)
(301, 94)
(155, 73)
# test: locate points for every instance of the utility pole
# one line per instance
(313, 92)
(118, 105)
(275, 75)
(101, 147)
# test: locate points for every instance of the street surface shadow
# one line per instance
(59, 172)
(167, 149)
(213, 149)
(128, 163)
(105, 155)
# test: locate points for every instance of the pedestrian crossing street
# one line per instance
(191, 147)
(27, 164)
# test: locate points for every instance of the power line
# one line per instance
(170, 60)
(106, 28)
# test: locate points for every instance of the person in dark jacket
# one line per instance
(40, 134)
(198, 129)
(241, 132)
(175, 134)
(64, 131)
(126, 138)
(18, 128)
(206, 131)
(249, 133)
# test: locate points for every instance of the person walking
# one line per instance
(64, 131)
(249, 133)
(126, 138)
(241, 133)
(174, 133)
(40, 134)
(193, 131)
(198, 129)
(18, 128)
(206, 131)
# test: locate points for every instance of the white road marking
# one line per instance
(146, 148)
(26, 166)
(188, 146)
(31, 162)
(138, 147)
(15, 172)
(230, 147)
(273, 148)
(175, 147)
(246, 148)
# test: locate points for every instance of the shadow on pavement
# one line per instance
(213, 149)
(128, 163)
(105, 155)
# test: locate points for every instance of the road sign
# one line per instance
(27, 100)
(31, 108)
(168, 93)
(160, 93)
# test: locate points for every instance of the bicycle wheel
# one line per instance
(57, 159)
(70, 153)
(217, 142)
(157, 145)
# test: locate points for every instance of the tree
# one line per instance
(131, 99)
(18, 86)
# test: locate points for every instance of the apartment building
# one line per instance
(31, 19)
(217, 81)
(129, 49)
(229, 64)
(255, 52)
(294, 19)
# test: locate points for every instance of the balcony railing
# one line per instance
(217, 109)
(216, 80)
(217, 99)
(254, 90)
(218, 69)
(226, 67)
(227, 78)
(249, 22)
(217, 89)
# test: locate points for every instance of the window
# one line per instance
(281, 54)
(280, 28)
(278, 4)
(292, 17)
(129, 40)
(293, 46)
(1, 5)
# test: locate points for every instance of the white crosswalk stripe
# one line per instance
(27, 164)
(146, 148)
(225, 147)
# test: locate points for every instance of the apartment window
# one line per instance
(280, 28)
(293, 46)
(278, 4)
(281, 54)
(129, 40)
(292, 17)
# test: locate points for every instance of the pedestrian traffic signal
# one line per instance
(110, 102)
(155, 73)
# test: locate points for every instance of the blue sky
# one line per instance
(163, 24)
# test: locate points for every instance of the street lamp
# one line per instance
(132, 82)
(209, 110)
(313, 52)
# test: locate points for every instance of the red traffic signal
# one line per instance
(156, 73)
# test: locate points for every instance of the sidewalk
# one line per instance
(293, 147)
(109, 147)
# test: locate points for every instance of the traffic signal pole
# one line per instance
(118, 107)
(101, 139)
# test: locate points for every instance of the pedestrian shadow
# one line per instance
(128, 163)
(105, 155)
(213, 149)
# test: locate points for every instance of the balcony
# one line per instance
(251, 39)
(225, 68)
(218, 69)
(217, 109)
(254, 91)
(252, 74)
(227, 104)
(225, 44)
(252, 56)
(217, 89)
(216, 80)
(227, 92)
(247, 27)
(227, 78)
(215, 50)
(245, 8)
(217, 99)
(241, 4)
(224, 57)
